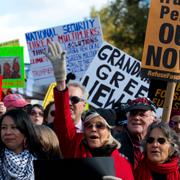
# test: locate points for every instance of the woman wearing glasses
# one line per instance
(95, 140)
(37, 114)
(161, 154)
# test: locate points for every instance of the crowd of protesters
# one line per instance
(141, 146)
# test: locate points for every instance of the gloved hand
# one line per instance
(58, 60)
(111, 178)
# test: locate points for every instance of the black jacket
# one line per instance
(126, 148)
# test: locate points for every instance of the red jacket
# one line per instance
(71, 141)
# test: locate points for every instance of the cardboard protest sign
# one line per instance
(12, 66)
(14, 42)
(80, 40)
(113, 76)
(161, 55)
(157, 92)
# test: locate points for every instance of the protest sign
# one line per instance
(49, 95)
(93, 168)
(80, 40)
(113, 76)
(12, 66)
(157, 92)
(161, 55)
(14, 42)
(0, 87)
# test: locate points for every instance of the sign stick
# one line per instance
(168, 101)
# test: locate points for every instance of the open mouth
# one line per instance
(136, 124)
(93, 137)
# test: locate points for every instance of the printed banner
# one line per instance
(12, 66)
(157, 91)
(80, 40)
(161, 55)
(113, 76)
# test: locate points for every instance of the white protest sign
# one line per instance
(80, 40)
(113, 76)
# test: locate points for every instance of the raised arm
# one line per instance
(63, 123)
(58, 60)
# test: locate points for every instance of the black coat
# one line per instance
(126, 148)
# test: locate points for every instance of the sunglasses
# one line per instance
(52, 113)
(98, 125)
(33, 113)
(151, 140)
(75, 99)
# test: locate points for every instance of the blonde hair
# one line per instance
(112, 140)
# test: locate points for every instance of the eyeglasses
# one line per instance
(151, 140)
(98, 125)
(39, 113)
(52, 113)
(75, 99)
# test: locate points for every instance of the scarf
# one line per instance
(16, 166)
(170, 169)
(101, 151)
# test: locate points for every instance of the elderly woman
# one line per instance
(161, 150)
(96, 139)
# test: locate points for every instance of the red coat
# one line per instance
(71, 141)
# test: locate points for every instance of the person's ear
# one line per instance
(172, 149)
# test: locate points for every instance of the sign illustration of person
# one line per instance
(15, 69)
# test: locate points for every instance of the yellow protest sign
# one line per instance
(161, 55)
(14, 42)
(49, 95)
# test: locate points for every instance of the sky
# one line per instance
(18, 17)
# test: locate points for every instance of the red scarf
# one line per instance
(170, 169)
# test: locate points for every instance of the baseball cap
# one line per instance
(14, 100)
(141, 103)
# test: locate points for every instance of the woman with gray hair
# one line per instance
(161, 154)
